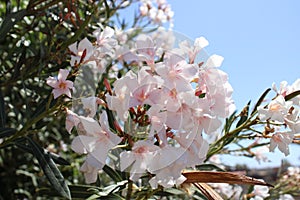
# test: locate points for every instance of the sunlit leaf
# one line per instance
(260, 100)
(229, 122)
(244, 114)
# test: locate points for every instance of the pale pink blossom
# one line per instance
(105, 41)
(119, 102)
(276, 109)
(227, 191)
(260, 192)
(60, 84)
(192, 51)
(286, 197)
(145, 49)
(176, 72)
(142, 88)
(283, 88)
(98, 141)
(90, 172)
(140, 157)
(292, 120)
(90, 104)
(282, 140)
(72, 120)
(167, 167)
(295, 87)
(158, 117)
(195, 147)
(78, 51)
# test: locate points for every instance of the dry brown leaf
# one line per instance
(221, 177)
(206, 190)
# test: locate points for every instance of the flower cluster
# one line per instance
(158, 11)
(282, 111)
(162, 104)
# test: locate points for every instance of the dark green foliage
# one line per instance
(34, 41)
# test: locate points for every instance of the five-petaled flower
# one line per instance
(60, 84)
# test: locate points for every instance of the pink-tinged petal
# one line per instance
(73, 48)
(63, 74)
(57, 93)
(113, 140)
(214, 61)
(83, 144)
(71, 120)
(104, 122)
(69, 84)
(51, 81)
(67, 92)
(108, 32)
(284, 148)
(126, 159)
(97, 158)
(200, 43)
(90, 104)
(85, 44)
(90, 173)
(91, 126)
(273, 145)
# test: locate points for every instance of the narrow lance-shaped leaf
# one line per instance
(244, 114)
(229, 122)
(9, 22)
(2, 111)
(56, 158)
(260, 100)
(6, 132)
(50, 169)
(292, 95)
(112, 173)
(209, 167)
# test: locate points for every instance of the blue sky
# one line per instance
(259, 39)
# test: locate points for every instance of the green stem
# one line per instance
(218, 146)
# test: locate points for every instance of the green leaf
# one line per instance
(173, 191)
(113, 188)
(260, 100)
(9, 22)
(112, 173)
(56, 158)
(50, 169)
(229, 122)
(209, 167)
(244, 115)
(292, 95)
(2, 111)
(6, 132)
